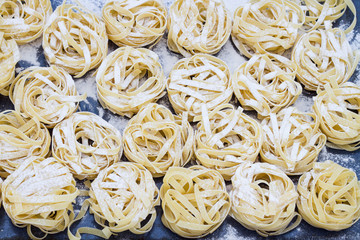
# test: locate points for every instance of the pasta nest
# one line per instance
(194, 201)
(9, 56)
(24, 20)
(136, 24)
(197, 26)
(226, 137)
(20, 138)
(75, 39)
(338, 109)
(128, 79)
(123, 196)
(86, 144)
(264, 199)
(40, 193)
(45, 93)
(158, 140)
(324, 56)
(266, 84)
(266, 26)
(293, 140)
(200, 79)
(329, 196)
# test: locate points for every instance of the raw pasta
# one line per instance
(197, 26)
(158, 140)
(266, 84)
(138, 23)
(20, 138)
(129, 79)
(262, 26)
(46, 93)
(293, 140)
(338, 108)
(264, 199)
(40, 193)
(86, 144)
(194, 201)
(200, 79)
(329, 196)
(226, 137)
(9, 56)
(24, 20)
(324, 56)
(75, 39)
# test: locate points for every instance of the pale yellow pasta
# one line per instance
(266, 84)
(40, 194)
(158, 140)
(45, 93)
(226, 137)
(20, 138)
(194, 201)
(324, 56)
(200, 79)
(138, 23)
(9, 56)
(329, 196)
(264, 199)
(262, 26)
(198, 26)
(129, 79)
(24, 20)
(75, 39)
(338, 108)
(86, 144)
(293, 140)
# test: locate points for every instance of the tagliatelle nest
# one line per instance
(266, 84)
(158, 140)
(135, 23)
(197, 26)
(20, 138)
(128, 79)
(194, 201)
(329, 197)
(200, 79)
(324, 56)
(86, 144)
(24, 20)
(75, 39)
(46, 93)
(40, 193)
(226, 137)
(264, 199)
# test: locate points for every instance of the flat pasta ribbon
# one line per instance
(129, 79)
(197, 26)
(75, 39)
(24, 20)
(324, 56)
(338, 108)
(194, 201)
(86, 144)
(139, 23)
(264, 199)
(20, 138)
(46, 93)
(158, 140)
(329, 196)
(40, 193)
(200, 79)
(226, 137)
(262, 26)
(266, 84)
